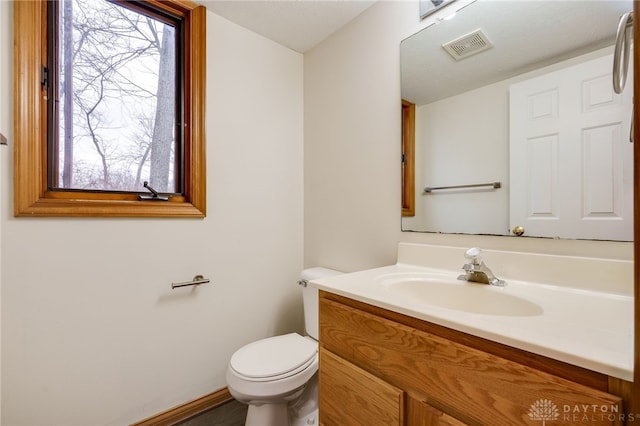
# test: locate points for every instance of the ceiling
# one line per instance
(302, 24)
(297, 24)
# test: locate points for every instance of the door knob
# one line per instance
(518, 230)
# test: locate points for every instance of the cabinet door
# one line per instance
(473, 385)
(351, 396)
(419, 413)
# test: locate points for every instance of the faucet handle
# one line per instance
(474, 254)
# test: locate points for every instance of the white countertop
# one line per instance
(584, 327)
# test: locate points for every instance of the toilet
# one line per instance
(277, 376)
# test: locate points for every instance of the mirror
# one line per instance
(470, 126)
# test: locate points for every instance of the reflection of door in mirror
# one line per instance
(571, 161)
(408, 170)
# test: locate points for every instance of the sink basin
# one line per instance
(441, 290)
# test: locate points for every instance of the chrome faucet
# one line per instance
(476, 271)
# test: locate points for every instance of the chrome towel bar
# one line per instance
(621, 60)
(197, 280)
(495, 185)
(622, 50)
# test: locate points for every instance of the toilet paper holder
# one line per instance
(197, 280)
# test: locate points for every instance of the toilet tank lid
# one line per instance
(273, 356)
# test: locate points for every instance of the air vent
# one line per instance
(468, 45)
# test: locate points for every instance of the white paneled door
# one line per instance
(571, 162)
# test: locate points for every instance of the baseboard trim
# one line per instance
(188, 409)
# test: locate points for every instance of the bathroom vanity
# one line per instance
(386, 360)
(378, 367)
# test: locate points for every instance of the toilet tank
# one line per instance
(310, 297)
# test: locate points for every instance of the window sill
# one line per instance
(57, 207)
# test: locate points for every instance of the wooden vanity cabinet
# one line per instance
(378, 367)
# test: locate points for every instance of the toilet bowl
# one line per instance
(277, 376)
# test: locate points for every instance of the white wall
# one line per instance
(91, 331)
(352, 150)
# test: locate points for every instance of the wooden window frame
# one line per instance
(32, 196)
(408, 159)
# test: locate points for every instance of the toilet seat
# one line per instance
(274, 358)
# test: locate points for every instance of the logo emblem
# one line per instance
(543, 409)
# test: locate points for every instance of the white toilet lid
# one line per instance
(273, 356)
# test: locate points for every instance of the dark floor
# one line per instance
(231, 413)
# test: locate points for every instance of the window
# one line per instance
(106, 101)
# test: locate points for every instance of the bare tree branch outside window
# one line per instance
(117, 99)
